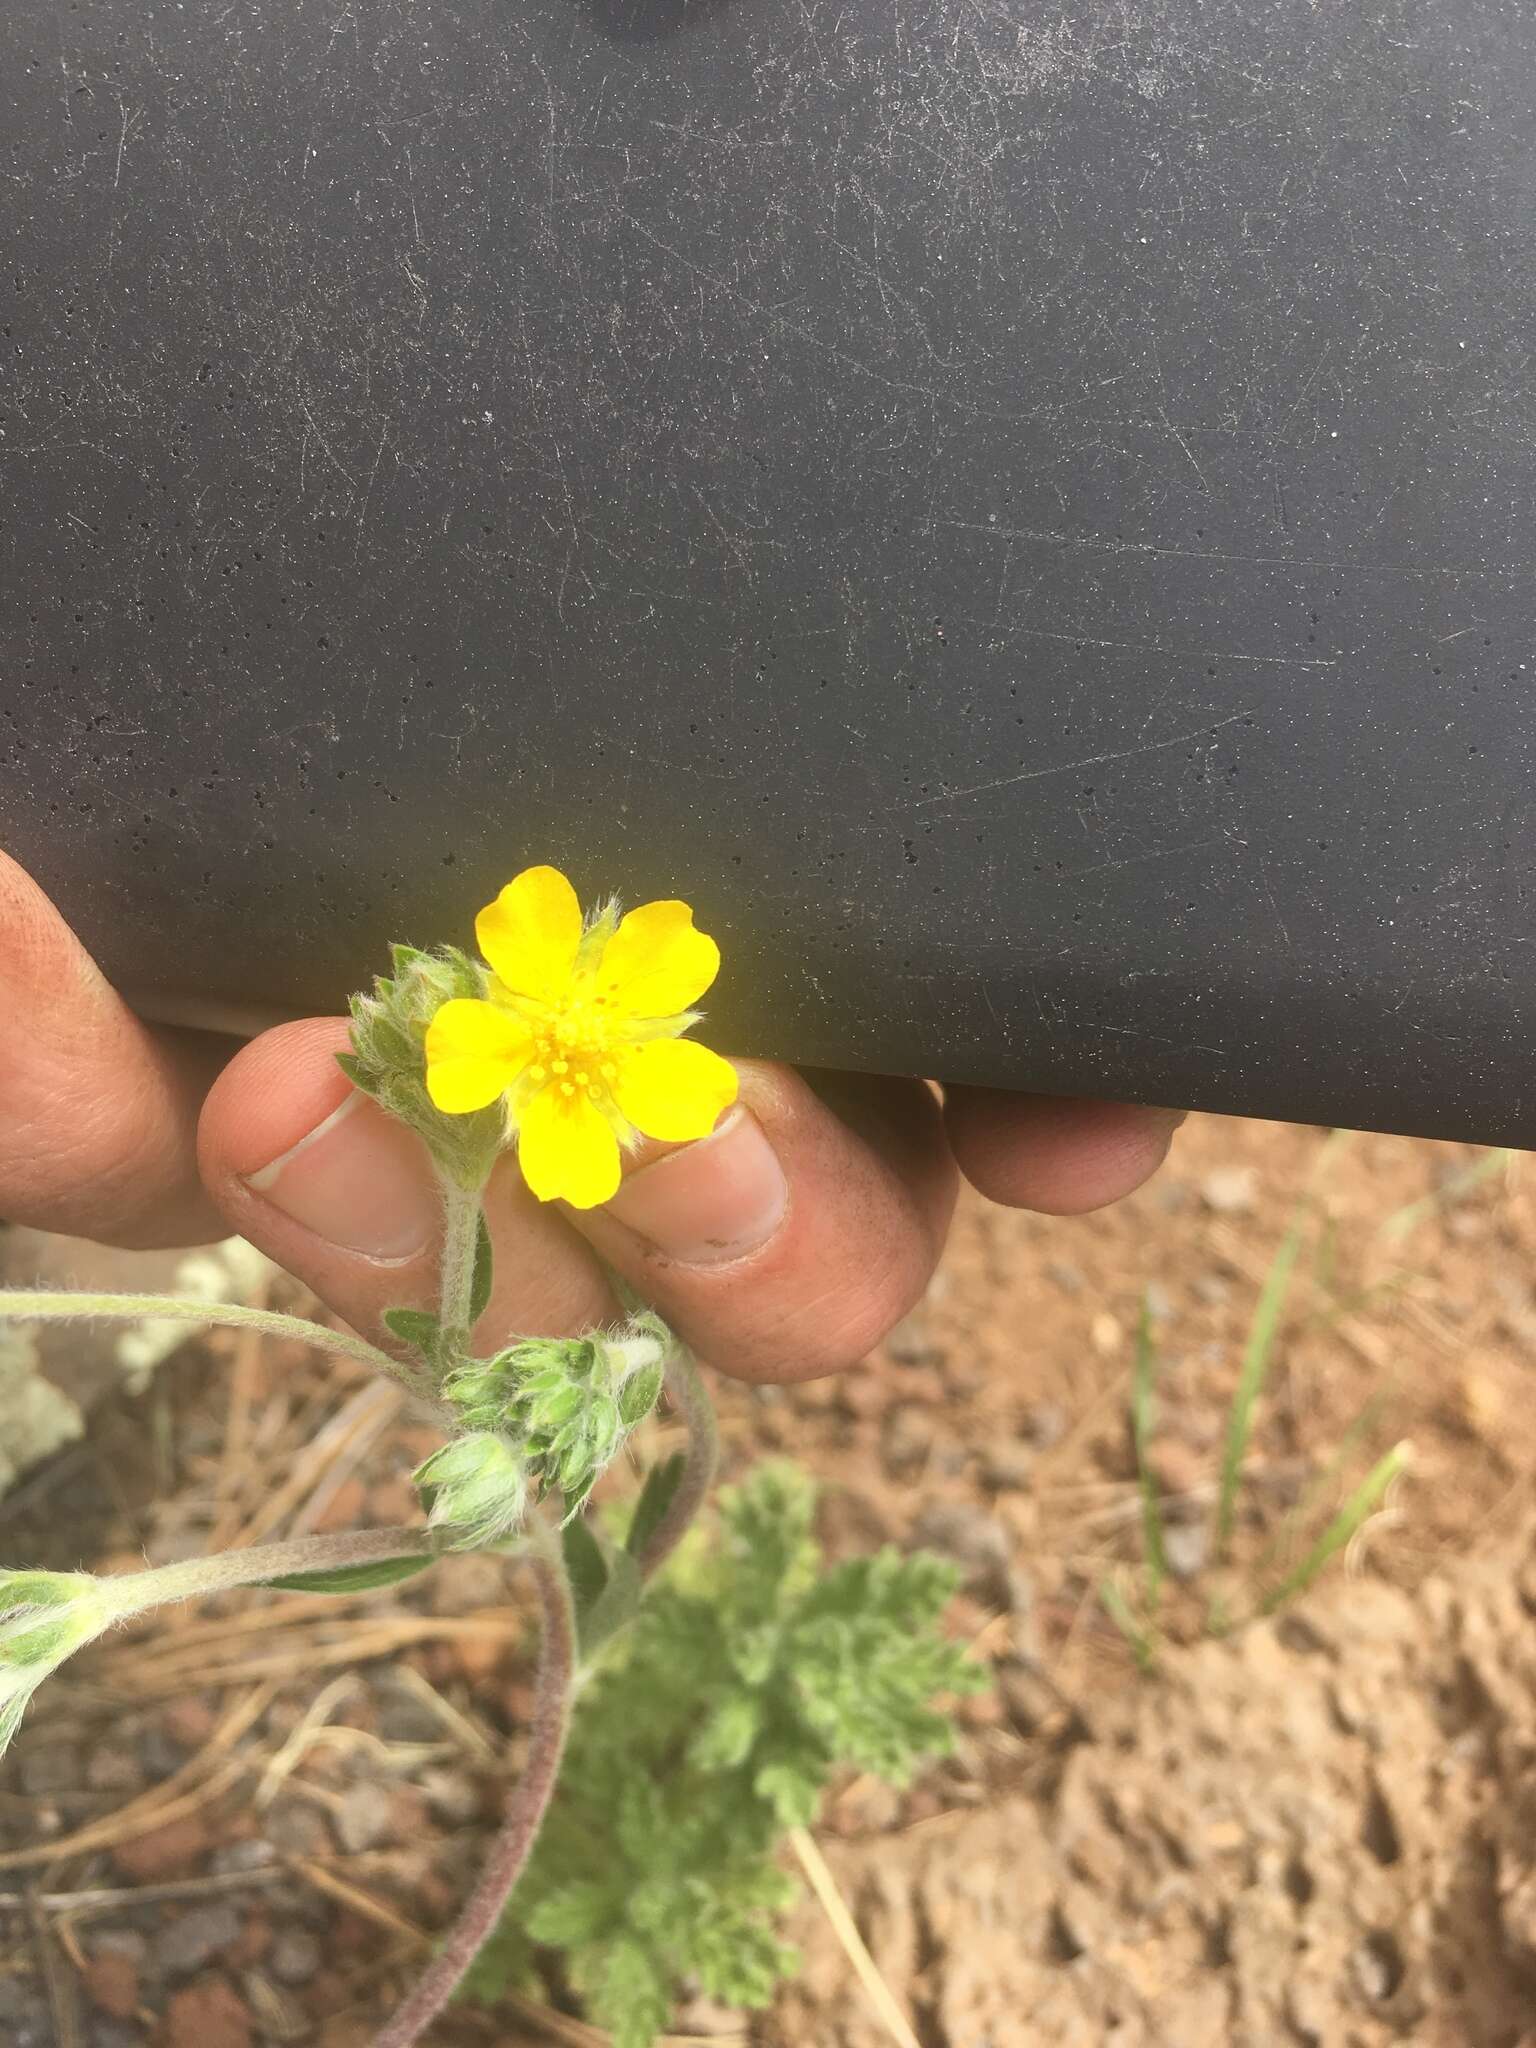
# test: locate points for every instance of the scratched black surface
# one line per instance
(1024, 515)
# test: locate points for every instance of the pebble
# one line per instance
(294, 1829)
(191, 1943)
(207, 2014)
(55, 1768)
(973, 1538)
(108, 2033)
(452, 1796)
(175, 1850)
(24, 2016)
(1230, 1190)
(364, 1817)
(906, 1440)
(296, 1957)
(112, 1983)
(1105, 1334)
(1008, 1467)
(912, 1342)
(1159, 1301)
(159, 1751)
(1186, 1548)
(1063, 1274)
(1045, 1424)
(1213, 1289)
(113, 1769)
(189, 1721)
(400, 1716)
(122, 1941)
(254, 1854)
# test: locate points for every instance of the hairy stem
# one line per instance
(526, 1804)
(132, 1592)
(461, 1235)
(688, 1394)
(23, 1305)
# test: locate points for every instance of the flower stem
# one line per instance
(526, 1805)
(686, 1389)
(24, 1305)
(133, 1592)
(461, 1237)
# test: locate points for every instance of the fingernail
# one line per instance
(718, 1199)
(357, 1180)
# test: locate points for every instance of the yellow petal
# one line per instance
(675, 1089)
(531, 932)
(656, 963)
(567, 1151)
(474, 1053)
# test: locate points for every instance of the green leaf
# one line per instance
(576, 1912)
(480, 1285)
(615, 1607)
(355, 1072)
(352, 1578)
(585, 1565)
(632, 1998)
(726, 1738)
(639, 1395)
(656, 1496)
(418, 1327)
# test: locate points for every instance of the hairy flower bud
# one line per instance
(566, 1403)
(476, 1489)
(388, 1059)
(44, 1618)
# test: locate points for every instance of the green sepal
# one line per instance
(639, 1394)
(656, 1496)
(351, 1578)
(480, 1284)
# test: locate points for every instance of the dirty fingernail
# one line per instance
(718, 1199)
(358, 1180)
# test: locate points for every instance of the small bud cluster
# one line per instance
(388, 1060)
(546, 1415)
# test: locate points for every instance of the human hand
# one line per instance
(783, 1246)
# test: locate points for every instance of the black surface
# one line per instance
(1023, 514)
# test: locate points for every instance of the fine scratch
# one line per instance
(1178, 739)
(1180, 653)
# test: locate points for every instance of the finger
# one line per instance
(344, 1196)
(1055, 1153)
(98, 1113)
(787, 1243)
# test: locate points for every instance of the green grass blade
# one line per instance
(1344, 1527)
(1117, 1607)
(1255, 1371)
(1408, 1218)
(1362, 1426)
(1143, 1421)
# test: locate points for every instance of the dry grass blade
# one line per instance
(369, 1411)
(881, 1998)
(147, 1675)
(200, 1780)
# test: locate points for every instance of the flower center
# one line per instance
(573, 1050)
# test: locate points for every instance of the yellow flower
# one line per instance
(581, 1033)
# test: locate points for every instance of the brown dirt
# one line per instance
(1312, 1829)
